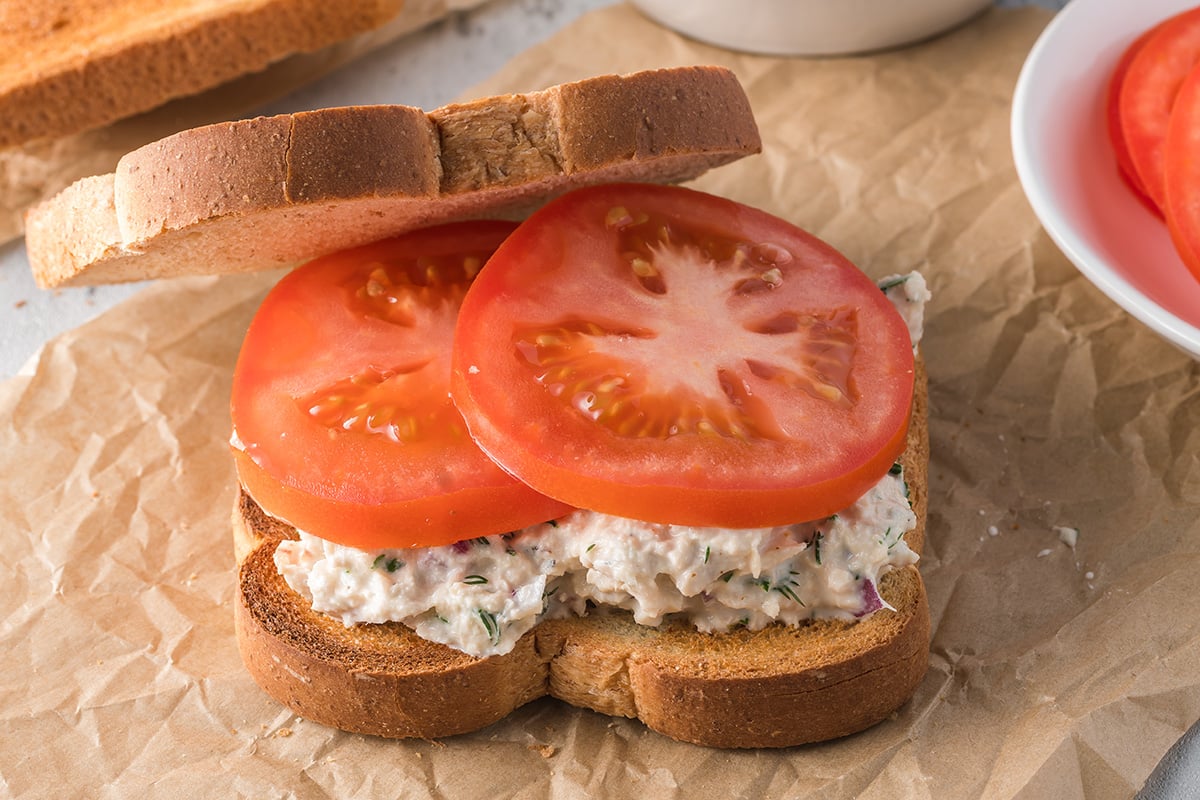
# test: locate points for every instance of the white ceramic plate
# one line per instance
(1068, 171)
(810, 27)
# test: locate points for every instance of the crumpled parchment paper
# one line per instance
(1058, 670)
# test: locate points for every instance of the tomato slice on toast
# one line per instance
(667, 355)
(341, 403)
(1148, 93)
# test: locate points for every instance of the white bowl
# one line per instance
(1067, 168)
(810, 27)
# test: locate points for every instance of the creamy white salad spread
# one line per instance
(909, 294)
(480, 595)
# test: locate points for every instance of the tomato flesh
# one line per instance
(1148, 92)
(341, 403)
(1116, 132)
(666, 355)
(1183, 173)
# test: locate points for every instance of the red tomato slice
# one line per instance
(341, 399)
(1116, 133)
(1148, 93)
(1183, 173)
(666, 355)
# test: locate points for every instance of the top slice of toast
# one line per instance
(274, 191)
(71, 65)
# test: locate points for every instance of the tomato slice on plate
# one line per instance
(1148, 93)
(667, 355)
(341, 403)
(1183, 173)
(1116, 132)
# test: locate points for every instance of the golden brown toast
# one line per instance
(274, 191)
(71, 65)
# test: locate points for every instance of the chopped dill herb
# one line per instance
(378, 560)
(887, 540)
(589, 547)
(893, 283)
(510, 551)
(817, 546)
(764, 584)
(896, 469)
(726, 576)
(787, 591)
(707, 553)
(394, 564)
(490, 625)
(483, 540)
(552, 523)
(475, 580)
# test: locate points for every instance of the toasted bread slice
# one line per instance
(777, 687)
(274, 191)
(69, 67)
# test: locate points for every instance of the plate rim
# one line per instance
(1125, 294)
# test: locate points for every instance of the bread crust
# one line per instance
(272, 192)
(773, 688)
(87, 63)
(376, 679)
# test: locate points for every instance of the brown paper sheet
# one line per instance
(32, 172)
(1056, 671)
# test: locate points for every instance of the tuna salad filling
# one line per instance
(480, 595)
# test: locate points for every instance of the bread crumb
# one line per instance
(993, 530)
(544, 750)
(284, 732)
(20, 304)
